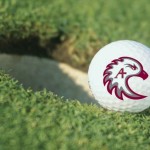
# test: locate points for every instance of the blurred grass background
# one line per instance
(71, 31)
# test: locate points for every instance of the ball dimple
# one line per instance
(112, 51)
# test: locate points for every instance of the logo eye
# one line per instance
(133, 67)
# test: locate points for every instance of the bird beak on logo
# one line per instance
(143, 75)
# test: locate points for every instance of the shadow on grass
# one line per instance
(39, 73)
(27, 46)
(145, 112)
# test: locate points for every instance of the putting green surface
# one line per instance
(42, 120)
(69, 31)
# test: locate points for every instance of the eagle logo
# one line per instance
(117, 74)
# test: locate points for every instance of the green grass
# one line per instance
(72, 31)
(42, 120)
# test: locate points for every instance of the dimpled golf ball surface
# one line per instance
(119, 76)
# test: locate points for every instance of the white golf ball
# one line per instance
(119, 76)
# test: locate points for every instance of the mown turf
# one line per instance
(42, 120)
(71, 30)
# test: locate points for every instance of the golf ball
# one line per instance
(119, 76)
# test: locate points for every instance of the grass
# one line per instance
(41, 120)
(71, 31)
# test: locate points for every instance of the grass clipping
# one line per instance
(42, 120)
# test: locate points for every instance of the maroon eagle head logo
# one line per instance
(117, 74)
